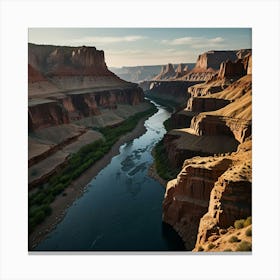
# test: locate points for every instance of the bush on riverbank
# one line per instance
(39, 202)
(162, 164)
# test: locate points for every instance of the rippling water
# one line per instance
(121, 208)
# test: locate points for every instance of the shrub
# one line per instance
(39, 216)
(76, 165)
(234, 239)
(248, 232)
(248, 221)
(239, 224)
(210, 246)
(162, 164)
(228, 250)
(244, 246)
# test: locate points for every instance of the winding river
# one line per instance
(122, 207)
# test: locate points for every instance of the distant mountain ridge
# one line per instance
(137, 74)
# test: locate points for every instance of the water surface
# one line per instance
(121, 210)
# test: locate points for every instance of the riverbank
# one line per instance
(78, 187)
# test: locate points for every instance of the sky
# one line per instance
(146, 46)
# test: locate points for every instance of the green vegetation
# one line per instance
(228, 250)
(39, 202)
(211, 246)
(162, 164)
(234, 239)
(248, 232)
(244, 246)
(248, 221)
(239, 224)
(168, 125)
(170, 105)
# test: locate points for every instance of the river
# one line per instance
(121, 209)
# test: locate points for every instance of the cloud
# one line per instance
(108, 39)
(195, 42)
(132, 57)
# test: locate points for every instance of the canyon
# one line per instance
(72, 96)
(211, 141)
(70, 92)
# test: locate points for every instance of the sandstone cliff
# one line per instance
(214, 147)
(231, 196)
(225, 180)
(209, 63)
(166, 72)
(69, 83)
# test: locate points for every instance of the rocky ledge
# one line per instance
(214, 146)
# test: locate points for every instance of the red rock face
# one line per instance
(187, 197)
(212, 192)
(230, 69)
(166, 73)
(231, 196)
(70, 107)
(208, 65)
(34, 75)
(76, 84)
(68, 61)
(213, 59)
(46, 114)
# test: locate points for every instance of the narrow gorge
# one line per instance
(211, 141)
(164, 164)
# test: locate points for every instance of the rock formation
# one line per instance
(231, 196)
(166, 72)
(181, 70)
(174, 91)
(213, 59)
(70, 83)
(208, 65)
(70, 89)
(214, 147)
(224, 179)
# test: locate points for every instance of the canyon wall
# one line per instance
(66, 84)
(213, 188)
(68, 107)
(173, 91)
(221, 63)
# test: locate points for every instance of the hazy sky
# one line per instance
(146, 46)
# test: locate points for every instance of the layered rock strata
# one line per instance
(209, 63)
(70, 83)
(231, 196)
(225, 180)
(69, 107)
(215, 188)
(166, 72)
(70, 89)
